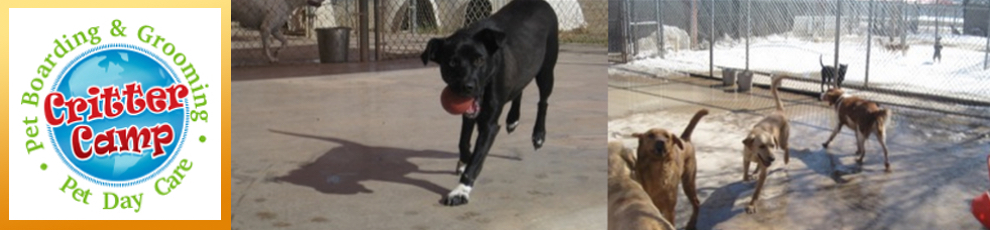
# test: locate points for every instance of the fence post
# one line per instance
(938, 17)
(749, 31)
(694, 24)
(628, 30)
(711, 42)
(869, 43)
(660, 37)
(378, 30)
(902, 19)
(415, 22)
(632, 27)
(986, 49)
(363, 30)
(838, 29)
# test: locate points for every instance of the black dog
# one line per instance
(493, 60)
(938, 50)
(829, 74)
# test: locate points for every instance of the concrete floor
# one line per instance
(376, 151)
(938, 161)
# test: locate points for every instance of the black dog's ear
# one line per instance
(432, 48)
(492, 38)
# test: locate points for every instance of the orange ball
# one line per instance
(455, 104)
(981, 209)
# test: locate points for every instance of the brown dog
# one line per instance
(770, 133)
(863, 117)
(629, 207)
(664, 161)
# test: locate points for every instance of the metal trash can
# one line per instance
(333, 44)
(728, 76)
(745, 79)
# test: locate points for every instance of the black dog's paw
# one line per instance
(538, 140)
(825, 145)
(512, 126)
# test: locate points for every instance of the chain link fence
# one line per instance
(937, 50)
(388, 29)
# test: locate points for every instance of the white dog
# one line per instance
(267, 16)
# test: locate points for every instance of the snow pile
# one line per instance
(675, 39)
(960, 72)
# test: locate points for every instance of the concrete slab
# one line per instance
(377, 151)
(938, 164)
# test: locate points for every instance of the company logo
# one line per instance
(118, 115)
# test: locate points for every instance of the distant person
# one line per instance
(938, 50)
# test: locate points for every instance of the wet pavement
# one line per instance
(376, 151)
(938, 161)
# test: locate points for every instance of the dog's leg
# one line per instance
(464, 145)
(746, 162)
(861, 145)
(487, 130)
(785, 135)
(265, 43)
(838, 80)
(882, 138)
(545, 82)
(668, 211)
(512, 121)
(838, 127)
(822, 86)
(751, 208)
(689, 185)
(277, 32)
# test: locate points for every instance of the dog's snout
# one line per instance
(771, 158)
(469, 87)
(660, 147)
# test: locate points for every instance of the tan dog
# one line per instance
(863, 117)
(629, 207)
(770, 133)
(664, 161)
(894, 47)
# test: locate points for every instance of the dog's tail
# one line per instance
(883, 117)
(686, 135)
(775, 83)
(820, 60)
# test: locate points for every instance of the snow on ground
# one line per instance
(960, 72)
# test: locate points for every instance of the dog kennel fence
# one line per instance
(399, 29)
(889, 46)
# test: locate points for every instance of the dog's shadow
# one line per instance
(718, 207)
(824, 163)
(343, 169)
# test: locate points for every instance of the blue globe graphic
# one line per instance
(117, 65)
